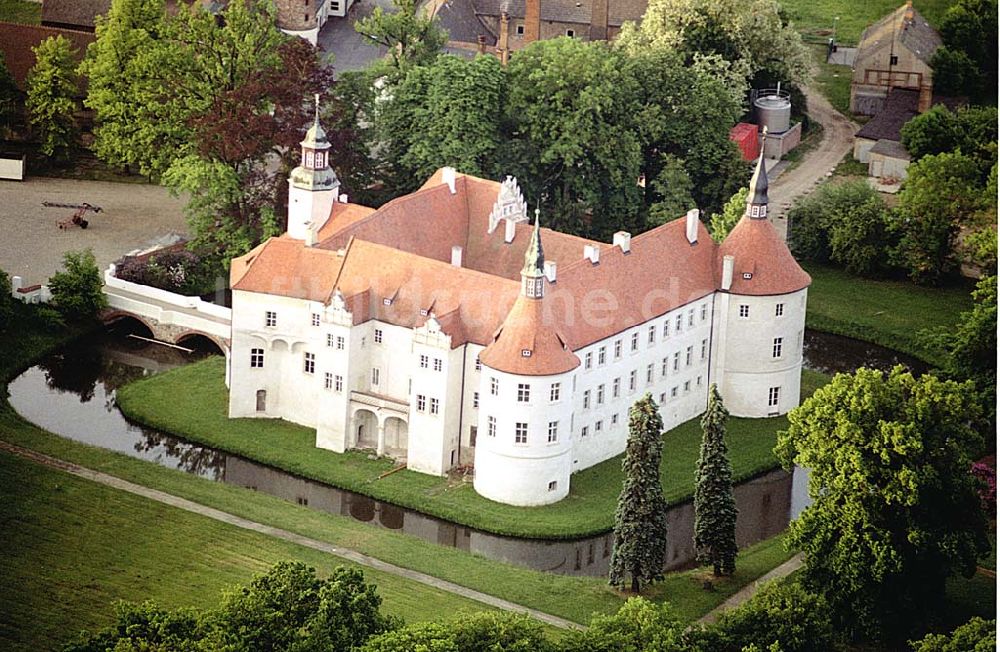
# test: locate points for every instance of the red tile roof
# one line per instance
(16, 41)
(528, 344)
(759, 251)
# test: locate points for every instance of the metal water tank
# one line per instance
(774, 109)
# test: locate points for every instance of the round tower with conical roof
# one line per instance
(524, 441)
(313, 185)
(761, 315)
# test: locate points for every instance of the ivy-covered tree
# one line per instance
(411, 37)
(52, 97)
(714, 505)
(640, 533)
(77, 290)
(895, 511)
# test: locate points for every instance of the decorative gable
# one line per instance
(510, 204)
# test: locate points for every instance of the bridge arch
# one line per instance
(200, 341)
(126, 319)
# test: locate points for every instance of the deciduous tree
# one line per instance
(640, 531)
(639, 626)
(714, 506)
(52, 92)
(895, 510)
(720, 224)
(411, 37)
(77, 290)
(977, 635)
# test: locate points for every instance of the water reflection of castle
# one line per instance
(764, 504)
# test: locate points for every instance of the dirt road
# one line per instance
(31, 246)
(838, 139)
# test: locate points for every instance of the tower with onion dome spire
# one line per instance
(313, 185)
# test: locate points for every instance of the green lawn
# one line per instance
(20, 11)
(71, 547)
(834, 82)
(888, 313)
(816, 18)
(198, 411)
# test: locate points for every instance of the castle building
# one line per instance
(446, 329)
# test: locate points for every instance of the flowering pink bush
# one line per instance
(987, 475)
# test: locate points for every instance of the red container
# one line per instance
(744, 135)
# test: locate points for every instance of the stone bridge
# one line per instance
(172, 318)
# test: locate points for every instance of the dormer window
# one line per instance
(525, 353)
(387, 301)
(423, 312)
(747, 276)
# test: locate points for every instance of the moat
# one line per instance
(71, 393)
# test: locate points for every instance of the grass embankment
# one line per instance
(197, 410)
(20, 11)
(817, 19)
(887, 313)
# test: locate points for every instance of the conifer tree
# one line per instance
(641, 517)
(714, 506)
(52, 91)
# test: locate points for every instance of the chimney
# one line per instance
(311, 235)
(692, 225)
(481, 44)
(599, 20)
(16, 282)
(592, 253)
(926, 97)
(508, 230)
(456, 256)
(342, 198)
(448, 176)
(532, 20)
(503, 41)
(550, 270)
(727, 272)
(623, 239)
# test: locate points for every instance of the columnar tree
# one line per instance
(52, 92)
(641, 517)
(895, 510)
(714, 506)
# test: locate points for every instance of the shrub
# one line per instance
(6, 302)
(988, 491)
(77, 291)
(977, 635)
(175, 271)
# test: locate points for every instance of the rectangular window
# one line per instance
(309, 363)
(424, 361)
(331, 341)
(552, 485)
(600, 394)
(631, 380)
(614, 419)
(338, 383)
(586, 399)
(776, 348)
(435, 406)
(479, 364)
(520, 433)
(652, 334)
(698, 381)
(691, 317)
(494, 387)
(666, 328)
(315, 319)
(270, 318)
(438, 365)
(649, 374)
(663, 369)
(772, 396)
(599, 426)
(616, 388)
(523, 392)
(583, 431)
(602, 355)
(553, 431)
(618, 349)
(779, 310)
(588, 360)
(704, 311)
(663, 398)
(376, 376)
(678, 323)
(520, 30)
(328, 380)
(677, 360)
(744, 311)
(704, 348)
(689, 352)
(554, 392)
(257, 358)
(491, 426)
(673, 392)
(378, 335)
(635, 341)
(687, 385)
(475, 399)
(421, 402)
(340, 342)
(570, 33)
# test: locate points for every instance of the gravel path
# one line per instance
(31, 245)
(838, 140)
(344, 553)
(749, 590)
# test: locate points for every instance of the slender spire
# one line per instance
(533, 272)
(757, 199)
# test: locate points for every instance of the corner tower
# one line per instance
(760, 312)
(524, 444)
(313, 185)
